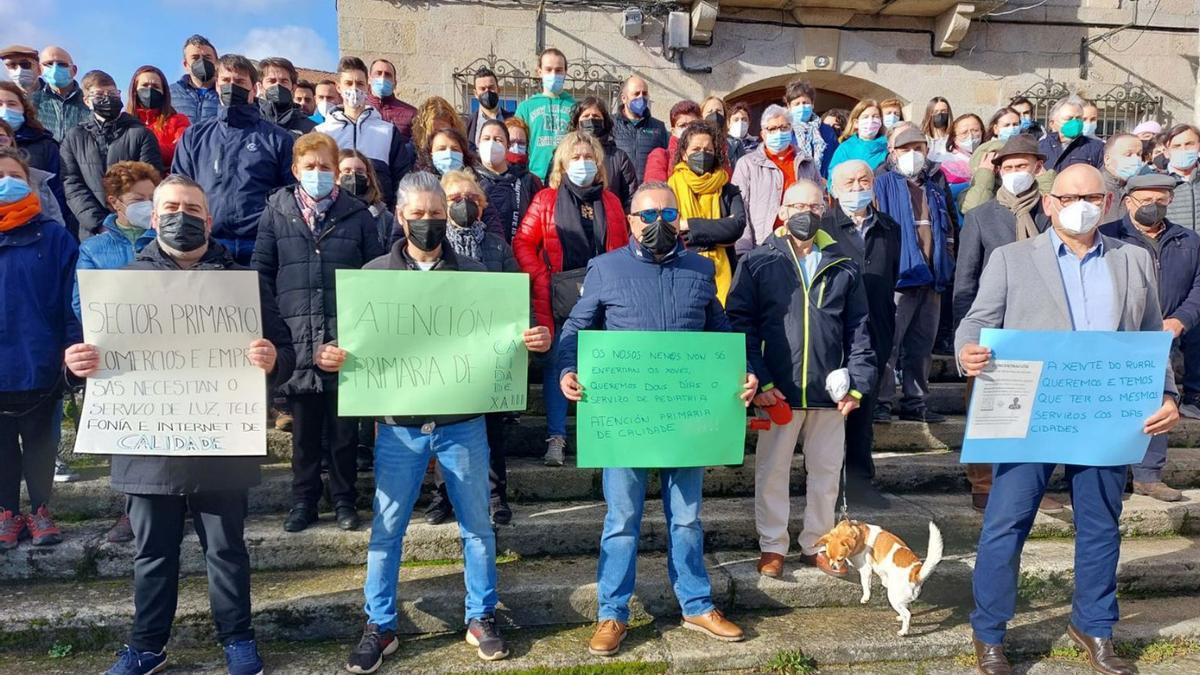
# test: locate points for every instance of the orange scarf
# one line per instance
(19, 212)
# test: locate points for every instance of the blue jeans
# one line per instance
(1096, 504)
(241, 249)
(625, 494)
(401, 457)
(556, 403)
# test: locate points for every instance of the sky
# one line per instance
(118, 36)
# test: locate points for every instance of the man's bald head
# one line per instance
(634, 87)
(55, 54)
(803, 192)
(1078, 179)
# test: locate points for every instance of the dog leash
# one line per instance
(845, 510)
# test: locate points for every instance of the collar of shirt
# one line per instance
(1061, 249)
(1088, 286)
(807, 264)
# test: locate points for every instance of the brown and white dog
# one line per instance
(870, 547)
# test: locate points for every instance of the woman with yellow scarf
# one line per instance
(711, 214)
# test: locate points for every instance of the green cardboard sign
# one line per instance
(432, 343)
(661, 400)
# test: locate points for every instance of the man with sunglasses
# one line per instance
(1067, 278)
(23, 69)
(653, 284)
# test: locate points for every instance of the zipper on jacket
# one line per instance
(807, 310)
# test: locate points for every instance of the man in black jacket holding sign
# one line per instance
(163, 490)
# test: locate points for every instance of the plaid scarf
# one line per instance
(313, 210)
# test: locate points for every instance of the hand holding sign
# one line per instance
(262, 355)
(974, 358)
(83, 360)
(330, 358)
(537, 339)
(748, 389)
(1164, 419)
(571, 387)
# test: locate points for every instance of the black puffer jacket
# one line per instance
(162, 475)
(623, 178)
(637, 138)
(293, 119)
(88, 150)
(509, 194)
(297, 266)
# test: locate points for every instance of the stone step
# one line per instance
(327, 604)
(562, 529)
(530, 481)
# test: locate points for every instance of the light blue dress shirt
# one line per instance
(808, 264)
(1091, 297)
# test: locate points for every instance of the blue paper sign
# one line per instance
(1065, 397)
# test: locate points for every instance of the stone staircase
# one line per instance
(308, 586)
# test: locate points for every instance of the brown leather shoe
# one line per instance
(770, 565)
(1101, 655)
(715, 625)
(1158, 490)
(821, 562)
(990, 659)
(979, 502)
(607, 639)
(1051, 506)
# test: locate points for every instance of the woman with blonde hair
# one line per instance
(433, 114)
(861, 138)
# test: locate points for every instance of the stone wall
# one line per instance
(428, 40)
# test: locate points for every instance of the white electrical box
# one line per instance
(676, 31)
(631, 26)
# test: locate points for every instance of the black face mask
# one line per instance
(354, 183)
(107, 107)
(150, 98)
(717, 120)
(181, 231)
(803, 226)
(940, 120)
(1150, 214)
(203, 70)
(232, 94)
(593, 127)
(280, 96)
(701, 162)
(488, 99)
(660, 237)
(427, 233)
(464, 212)
(1160, 162)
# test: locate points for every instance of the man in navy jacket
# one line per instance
(635, 130)
(1065, 143)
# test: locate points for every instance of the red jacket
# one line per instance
(393, 110)
(167, 131)
(537, 241)
(658, 162)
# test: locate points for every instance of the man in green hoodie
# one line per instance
(549, 113)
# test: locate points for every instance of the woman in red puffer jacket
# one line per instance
(149, 100)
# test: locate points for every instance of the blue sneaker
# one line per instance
(242, 658)
(132, 662)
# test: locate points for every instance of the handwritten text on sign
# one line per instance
(1070, 397)
(175, 377)
(661, 399)
(432, 343)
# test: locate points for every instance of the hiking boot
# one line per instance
(42, 529)
(121, 532)
(299, 518)
(63, 472)
(241, 658)
(607, 639)
(439, 511)
(1158, 490)
(715, 625)
(347, 517)
(556, 447)
(12, 529)
(132, 662)
(484, 634)
(367, 655)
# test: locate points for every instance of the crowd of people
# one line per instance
(848, 247)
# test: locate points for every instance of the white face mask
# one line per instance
(910, 163)
(491, 152)
(739, 129)
(354, 98)
(323, 108)
(1017, 182)
(968, 144)
(1079, 218)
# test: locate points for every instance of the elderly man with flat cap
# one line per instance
(1176, 252)
(23, 67)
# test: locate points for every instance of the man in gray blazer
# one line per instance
(1067, 278)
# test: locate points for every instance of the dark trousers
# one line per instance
(1151, 468)
(28, 448)
(860, 436)
(1096, 505)
(1189, 344)
(498, 469)
(314, 417)
(157, 521)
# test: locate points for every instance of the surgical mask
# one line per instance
(354, 98)
(701, 162)
(739, 128)
(1150, 214)
(940, 120)
(464, 212)
(911, 163)
(553, 82)
(639, 106)
(968, 144)
(801, 114)
(181, 231)
(1017, 182)
(14, 117)
(488, 99)
(581, 172)
(1183, 159)
(381, 87)
(1026, 122)
(1071, 128)
(803, 225)
(318, 184)
(149, 97)
(853, 202)
(280, 96)
(13, 189)
(1080, 217)
(1089, 128)
(660, 237)
(868, 129)
(1129, 166)
(778, 141)
(107, 107)
(138, 214)
(890, 120)
(491, 152)
(23, 77)
(203, 70)
(56, 75)
(447, 160)
(1006, 133)
(232, 94)
(427, 233)
(354, 183)
(593, 126)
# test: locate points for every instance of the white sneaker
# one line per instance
(1190, 411)
(63, 472)
(555, 450)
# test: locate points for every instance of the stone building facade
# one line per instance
(976, 54)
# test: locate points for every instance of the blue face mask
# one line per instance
(1183, 159)
(639, 106)
(1026, 122)
(57, 76)
(1089, 128)
(801, 114)
(853, 202)
(15, 118)
(447, 160)
(1006, 133)
(381, 86)
(1129, 166)
(318, 184)
(12, 189)
(778, 141)
(890, 120)
(553, 82)
(581, 172)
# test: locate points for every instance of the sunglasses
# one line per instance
(651, 215)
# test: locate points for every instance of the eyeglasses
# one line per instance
(811, 208)
(26, 64)
(1164, 200)
(1095, 199)
(777, 128)
(649, 216)
(96, 96)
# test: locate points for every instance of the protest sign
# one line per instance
(1066, 397)
(661, 399)
(443, 343)
(175, 378)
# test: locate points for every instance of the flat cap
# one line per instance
(1151, 181)
(1021, 144)
(909, 135)
(17, 50)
